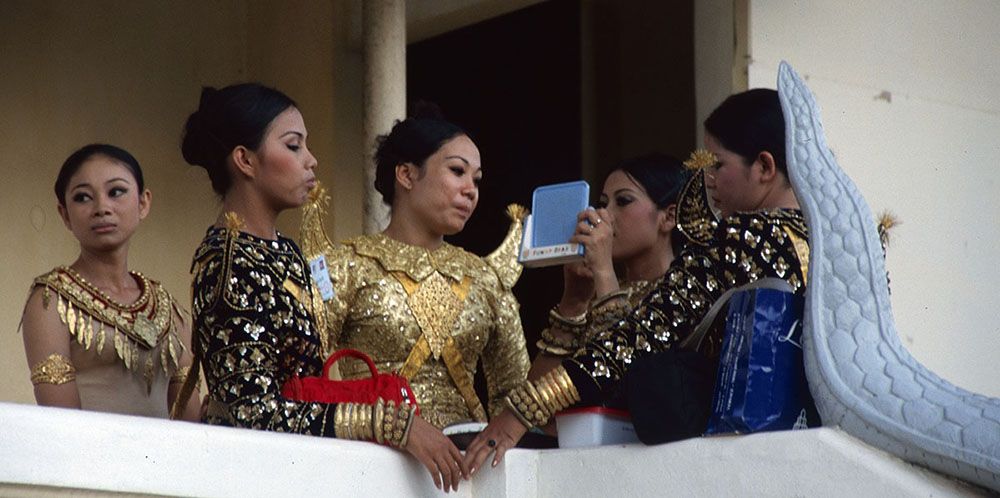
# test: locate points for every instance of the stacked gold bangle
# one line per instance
(393, 426)
(535, 402)
(608, 309)
(384, 422)
(575, 325)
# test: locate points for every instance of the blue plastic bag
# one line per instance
(761, 383)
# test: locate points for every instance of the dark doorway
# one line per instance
(559, 91)
(513, 82)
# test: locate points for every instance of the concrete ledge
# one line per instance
(50, 451)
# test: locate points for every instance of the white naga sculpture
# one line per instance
(860, 375)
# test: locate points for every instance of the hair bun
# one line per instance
(423, 109)
(195, 146)
(207, 93)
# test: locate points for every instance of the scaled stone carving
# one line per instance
(861, 376)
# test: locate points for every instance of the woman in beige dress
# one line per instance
(97, 335)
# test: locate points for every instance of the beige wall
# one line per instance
(129, 73)
(720, 54)
(909, 93)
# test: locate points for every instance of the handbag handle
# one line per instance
(693, 341)
(353, 353)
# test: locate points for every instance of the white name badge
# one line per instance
(321, 276)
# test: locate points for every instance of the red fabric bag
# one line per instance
(389, 387)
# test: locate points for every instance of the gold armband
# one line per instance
(384, 422)
(535, 402)
(181, 375)
(56, 370)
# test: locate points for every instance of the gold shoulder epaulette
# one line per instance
(312, 233)
(695, 218)
(503, 260)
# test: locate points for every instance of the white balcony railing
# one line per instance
(49, 451)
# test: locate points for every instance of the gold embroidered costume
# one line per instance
(447, 308)
(430, 315)
(254, 327)
(122, 355)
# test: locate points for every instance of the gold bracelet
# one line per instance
(547, 397)
(520, 402)
(340, 426)
(552, 350)
(388, 421)
(56, 369)
(534, 403)
(517, 413)
(573, 328)
(565, 384)
(559, 400)
(396, 422)
(609, 297)
(538, 413)
(580, 319)
(550, 338)
(350, 421)
(377, 424)
(408, 422)
(363, 427)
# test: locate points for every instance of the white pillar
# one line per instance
(384, 42)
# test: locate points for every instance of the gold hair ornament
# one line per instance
(700, 159)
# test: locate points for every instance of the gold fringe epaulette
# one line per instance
(503, 259)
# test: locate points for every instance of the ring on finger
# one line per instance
(492, 443)
(599, 221)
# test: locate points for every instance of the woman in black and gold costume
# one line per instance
(254, 305)
(762, 234)
(97, 335)
(634, 230)
(415, 303)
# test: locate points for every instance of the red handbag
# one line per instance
(389, 387)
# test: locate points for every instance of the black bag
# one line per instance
(670, 395)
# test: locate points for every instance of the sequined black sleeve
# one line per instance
(254, 330)
(746, 247)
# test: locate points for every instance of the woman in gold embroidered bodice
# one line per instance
(633, 229)
(97, 335)
(417, 304)
(255, 309)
